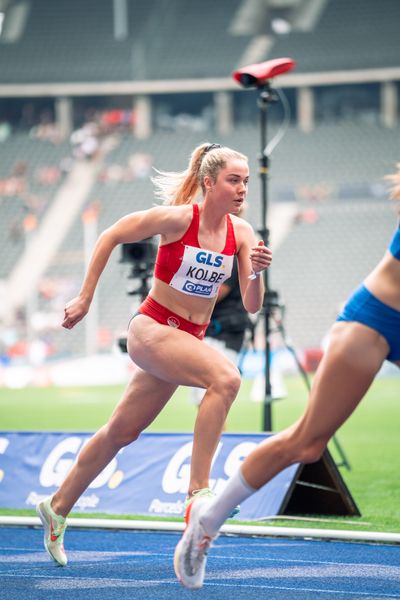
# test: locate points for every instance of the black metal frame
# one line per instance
(266, 97)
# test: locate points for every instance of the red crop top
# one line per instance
(193, 270)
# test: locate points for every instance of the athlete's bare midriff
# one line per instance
(384, 281)
(196, 310)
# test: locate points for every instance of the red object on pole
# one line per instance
(256, 75)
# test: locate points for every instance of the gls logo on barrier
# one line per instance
(57, 466)
(174, 480)
(3, 447)
(177, 473)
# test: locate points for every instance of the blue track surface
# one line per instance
(138, 565)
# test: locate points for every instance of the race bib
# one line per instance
(202, 272)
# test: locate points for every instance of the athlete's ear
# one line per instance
(208, 182)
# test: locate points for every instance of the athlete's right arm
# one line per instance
(135, 227)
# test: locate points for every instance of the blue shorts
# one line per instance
(365, 308)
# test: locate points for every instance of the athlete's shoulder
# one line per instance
(173, 219)
(241, 226)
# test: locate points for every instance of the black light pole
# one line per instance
(264, 99)
(259, 76)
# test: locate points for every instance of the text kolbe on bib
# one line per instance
(202, 272)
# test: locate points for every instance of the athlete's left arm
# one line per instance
(253, 258)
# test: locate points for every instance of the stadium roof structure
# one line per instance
(103, 47)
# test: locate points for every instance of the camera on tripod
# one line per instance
(272, 300)
(141, 257)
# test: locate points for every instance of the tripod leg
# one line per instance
(344, 462)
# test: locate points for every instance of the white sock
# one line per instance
(219, 508)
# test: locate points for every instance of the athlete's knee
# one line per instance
(299, 446)
(228, 381)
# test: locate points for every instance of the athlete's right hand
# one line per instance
(74, 312)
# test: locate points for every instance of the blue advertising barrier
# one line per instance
(149, 477)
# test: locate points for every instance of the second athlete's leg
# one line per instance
(348, 368)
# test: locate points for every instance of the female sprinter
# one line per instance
(198, 243)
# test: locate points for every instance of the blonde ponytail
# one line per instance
(395, 185)
(183, 187)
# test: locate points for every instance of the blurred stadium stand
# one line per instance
(348, 35)
(30, 173)
(74, 41)
(329, 168)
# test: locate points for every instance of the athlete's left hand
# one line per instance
(261, 257)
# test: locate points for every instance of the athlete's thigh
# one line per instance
(173, 355)
(144, 397)
(353, 358)
(221, 346)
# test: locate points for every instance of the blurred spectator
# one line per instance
(117, 119)
(12, 186)
(30, 223)
(37, 352)
(16, 183)
(66, 164)
(48, 175)
(85, 142)
(140, 165)
(307, 215)
(318, 192)
(16, 231)
(47, 132)
(20, 169)
(5, 131)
